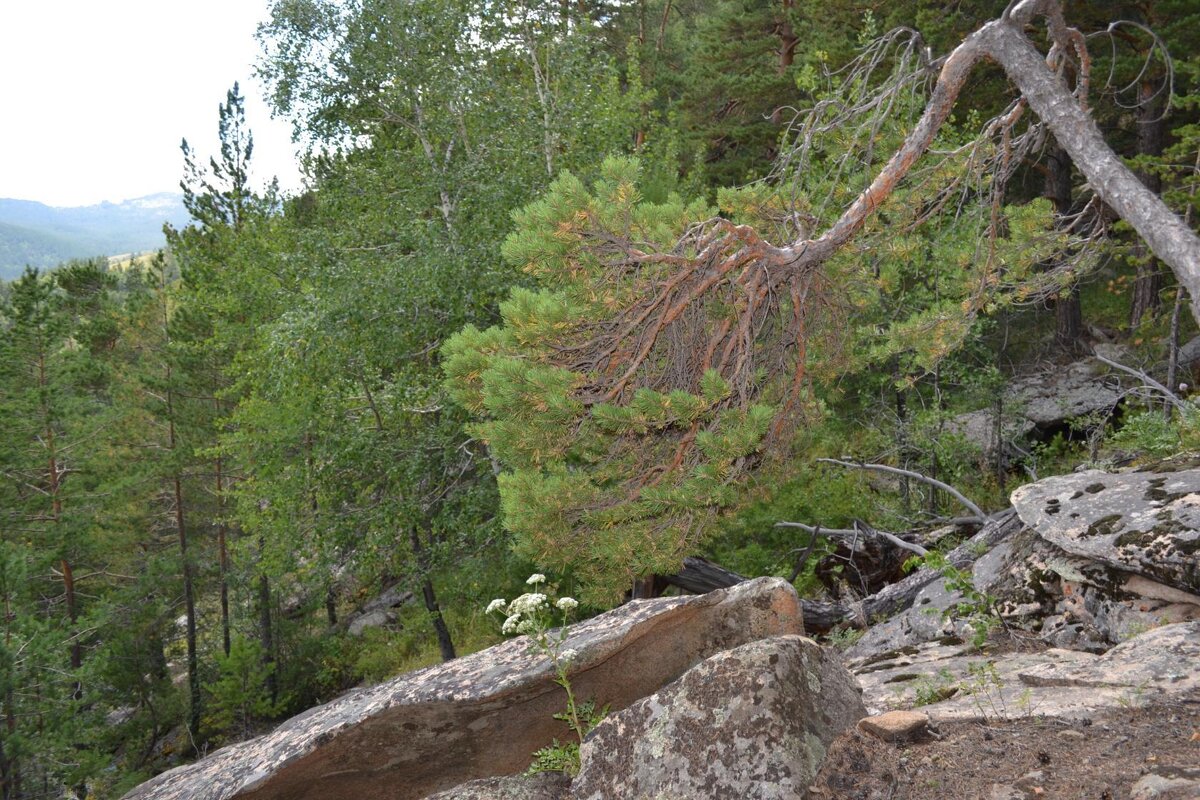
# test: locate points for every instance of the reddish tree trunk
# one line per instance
(1068, 314)
(787, 38)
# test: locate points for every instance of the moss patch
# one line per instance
(1105, 526)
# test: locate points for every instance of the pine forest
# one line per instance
(577, 288)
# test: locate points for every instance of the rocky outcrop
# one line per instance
(378, 613)
(1103, 570)
(753, 722)
(1053, 397)
(929, 616)
(1143, 524)
(1037, 405)
(482, 715)
(720, 695)
(952, 681)
(1099, 558)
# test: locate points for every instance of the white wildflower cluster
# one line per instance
(528, 604)
(523, 614)
(532, 614)
(529, 613)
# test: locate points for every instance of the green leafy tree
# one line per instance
(240, 694)
(167, 420)
(456, 124)
(620, 445)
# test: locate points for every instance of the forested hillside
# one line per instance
(583, 288)
(37, 235)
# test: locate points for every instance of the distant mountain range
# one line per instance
(43, 236)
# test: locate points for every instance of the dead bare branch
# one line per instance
(1166, 393)
(907, 473)
(1004, 42)
(851, 533)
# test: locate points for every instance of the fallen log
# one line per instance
(821, 617)
(700, 575)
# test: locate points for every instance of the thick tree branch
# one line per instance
(1004, 42)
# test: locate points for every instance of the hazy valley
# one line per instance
(38, 235)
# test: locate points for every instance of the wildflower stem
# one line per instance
(565, 683)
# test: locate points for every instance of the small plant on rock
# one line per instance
(535, 614)
(978, 609)
(930, 689)
(986, 689)
(844, 638)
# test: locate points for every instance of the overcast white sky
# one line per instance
(96, 94)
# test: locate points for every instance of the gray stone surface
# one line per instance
(1059, 394)
(1155, 666)
(1165, 660)
(753, 722)
(1077, 602)
(481, 715)
(378, 612)
(923, 622)
(1045, 401)
(1189, 353)
(543, 786)
(1142, 523)
(917, 674)
(1167, 783)
(926, 621)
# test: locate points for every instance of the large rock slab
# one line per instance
(926, 674)
(1056, 396)
(1141, 523)
(753, 722)
(481, 715)
(1165, 659)
(1153, 667)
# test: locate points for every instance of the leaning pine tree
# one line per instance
(665, 352)
(627, 394)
